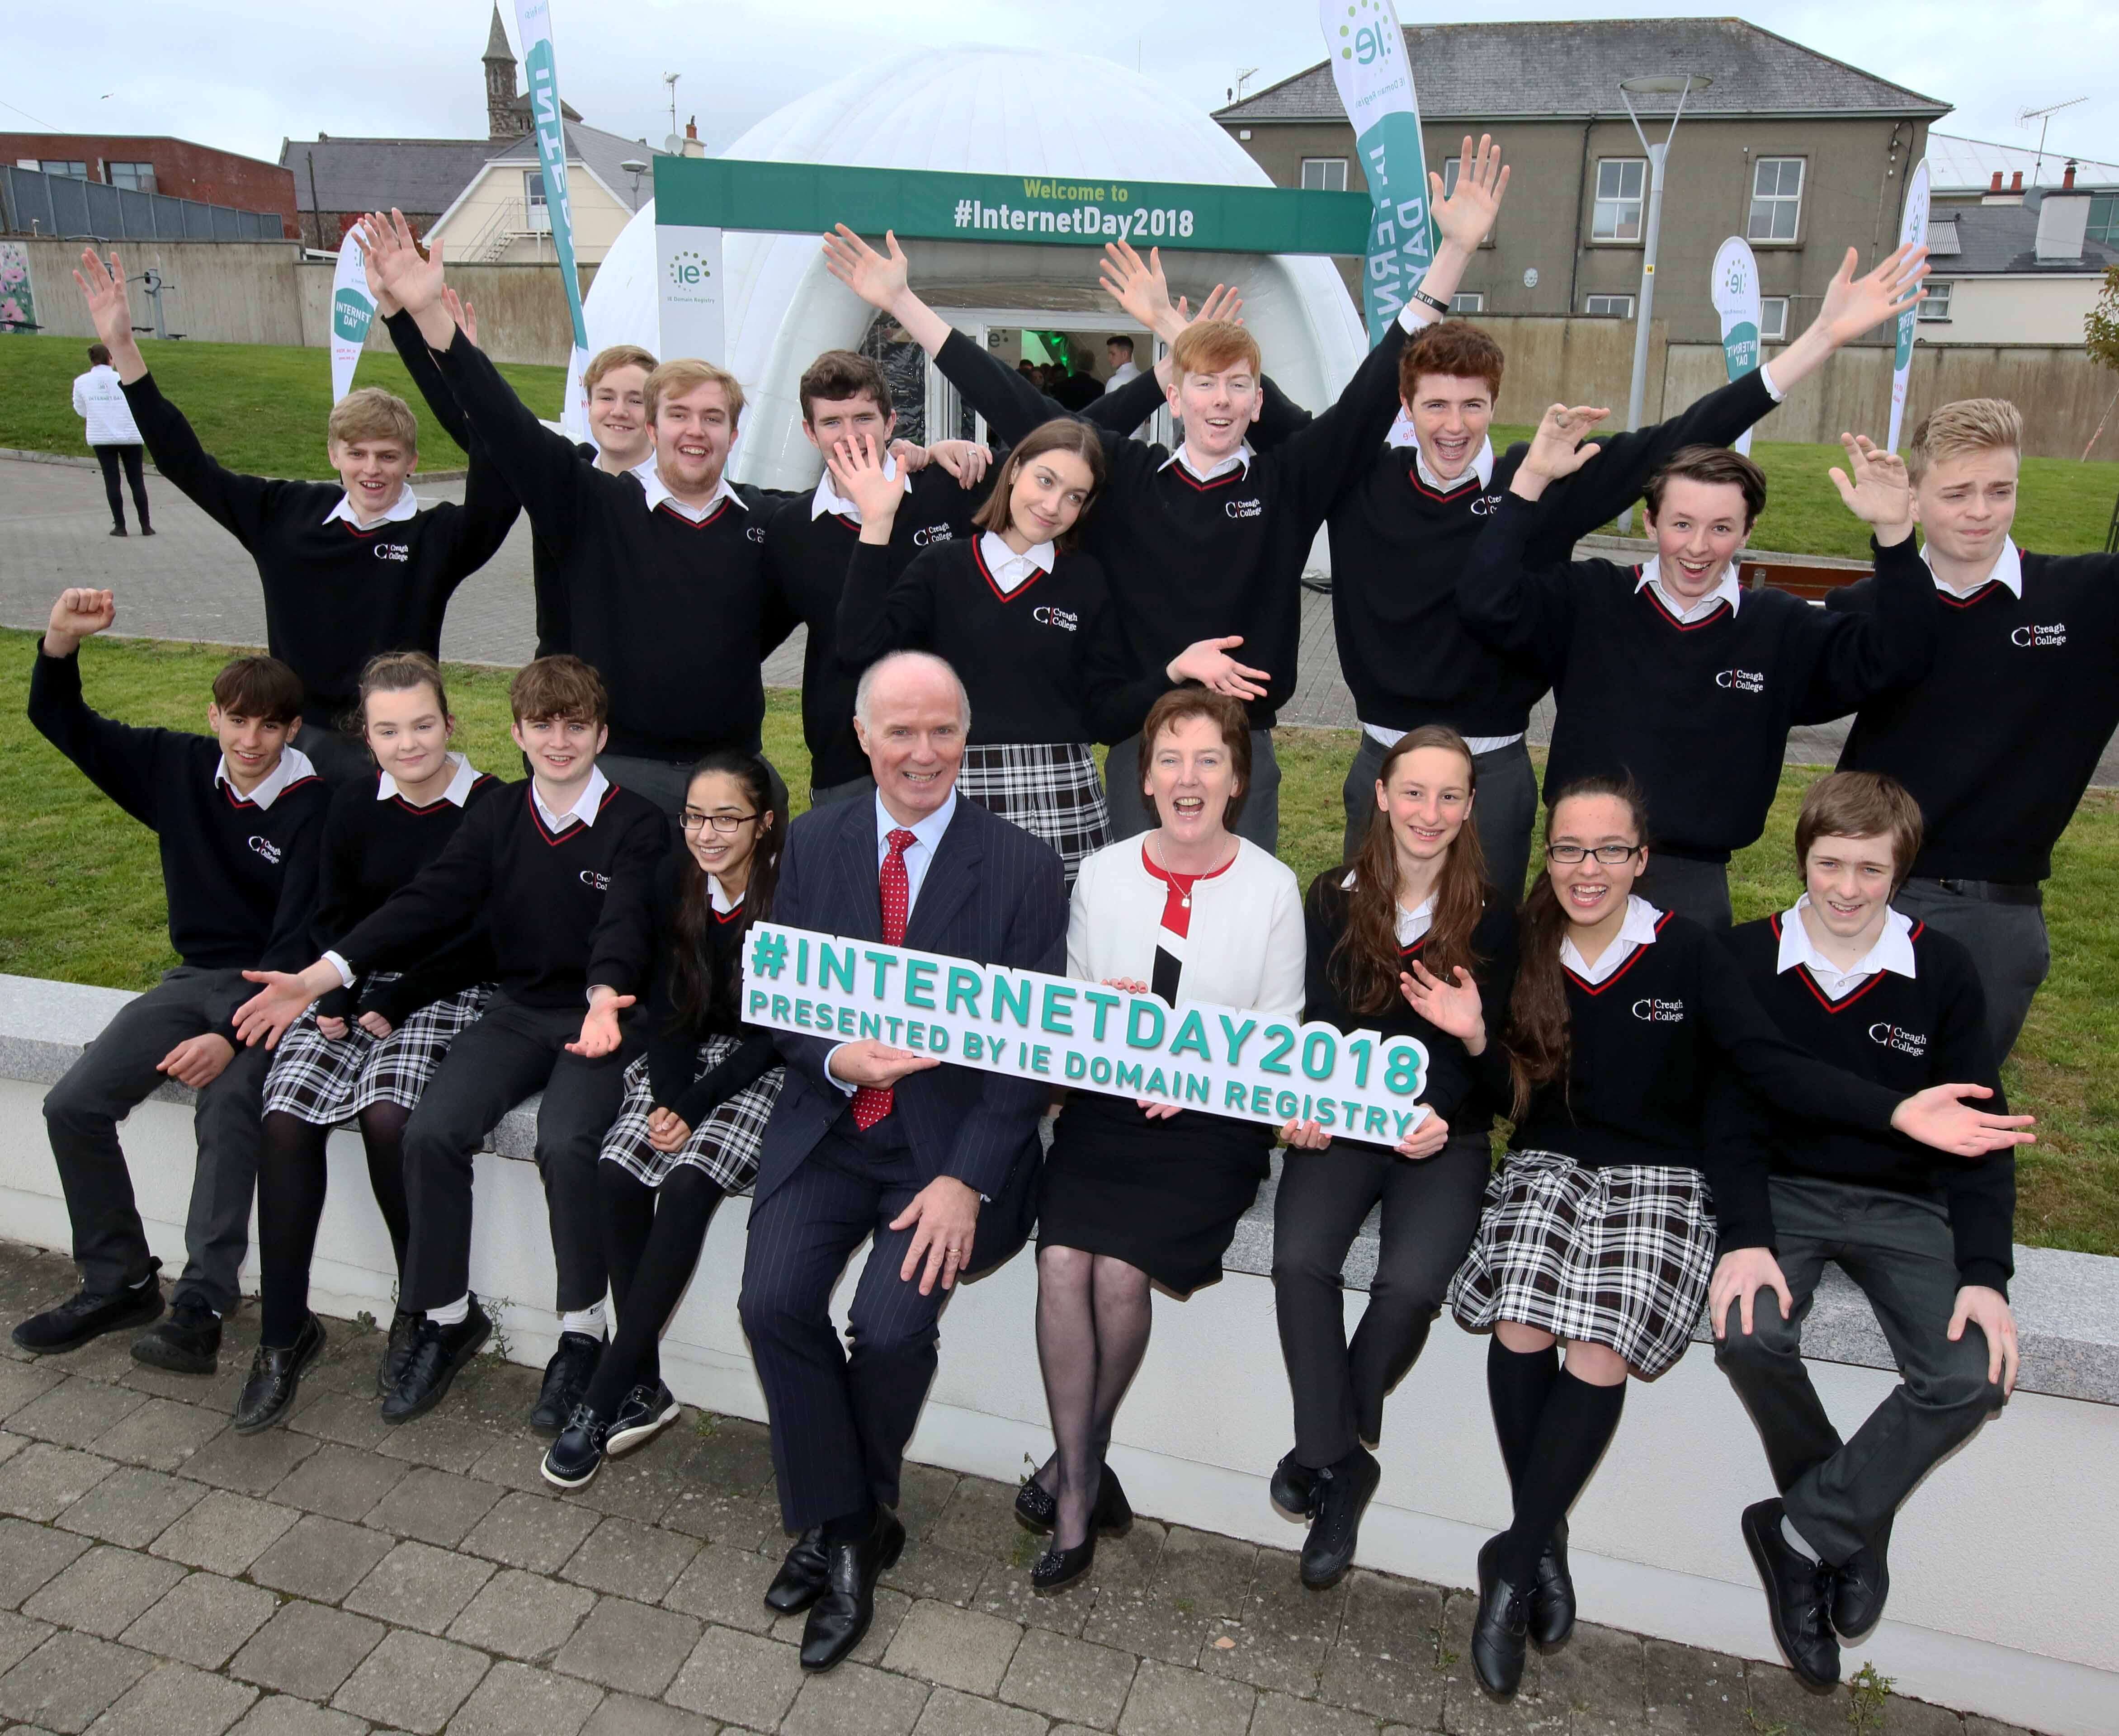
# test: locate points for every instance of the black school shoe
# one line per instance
(577, 1455)
(86, 1316)
(1501, 1629)
(1552, 1593)
(1294, 1488)
(800, 1581)
(438, 1355)
(845, 1604)
(1798, 1596)
(276, 1378)
(567, 1378)
(1859, 1589)
(1343, 1494)
(397, 1353)
(187, 1342)
(644, 1413)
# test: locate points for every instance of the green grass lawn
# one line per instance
(85, 899)
(259, 408)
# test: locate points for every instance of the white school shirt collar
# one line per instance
(402, 507)
(1725, 590)
(720, 901)
(1894, 951)
(658, 494)
(919, 854)
(294, 766)
(459, 789)
(1411, 924)
(2008, 570)
(1637, 930)
(828, 498)
(1009, 569)
(586, 805)
(1239, 459)
(1480, 469)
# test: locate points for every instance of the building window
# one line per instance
(1323, 175)
(1776, 198)
(1609, 307)
(1621, 183)
(1773, 319)
(2103, 220)
(1935, 304)
(138, 177)
(537, 214)
(72, 171)
(1468, 301)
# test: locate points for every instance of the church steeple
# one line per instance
(502, 120)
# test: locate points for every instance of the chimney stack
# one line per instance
(2067, 178)
(2016, 182)
(1996, 187)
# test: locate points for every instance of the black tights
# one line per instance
(291, 1176)
(652, 1241)
(1093, 1315)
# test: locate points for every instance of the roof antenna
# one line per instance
(2043, 117)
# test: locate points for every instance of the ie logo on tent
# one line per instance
(688, 269)
(1371, 42)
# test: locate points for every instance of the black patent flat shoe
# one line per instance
(276, 1378)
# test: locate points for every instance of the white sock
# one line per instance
(455, 1315)
(1796, 1540)
(587, 1321)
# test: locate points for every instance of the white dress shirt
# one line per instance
(457, 793)
(99, 399)
(1010, 570)
(585, 806)
(1725, 590)
(1121, 375)
(2008, 570)
(918, 857)
(828, 498)
(294, 765)
(1239, 459)
(1411, 924)
(404, 507)
(658, 494)
(1637, 930)
(1894, 951)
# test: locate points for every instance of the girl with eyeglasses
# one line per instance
(696, 1103)
(1598, 1231)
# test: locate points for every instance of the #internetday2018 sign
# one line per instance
(1063, 1031)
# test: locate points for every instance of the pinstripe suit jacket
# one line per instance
(994, 894)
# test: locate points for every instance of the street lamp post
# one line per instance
(1682, 85)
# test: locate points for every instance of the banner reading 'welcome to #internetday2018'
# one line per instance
(533, 19)
(1367, 52)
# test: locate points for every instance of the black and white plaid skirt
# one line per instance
(324, 1083)
(1620, 1256)
(1051, 789)
(725, 1144)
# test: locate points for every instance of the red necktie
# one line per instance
(873, 1102)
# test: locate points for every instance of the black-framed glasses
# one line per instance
(692, 820)
(1610, 854)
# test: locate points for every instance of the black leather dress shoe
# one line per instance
(438, 1355)
(390, 1367)
(1500, 1630)
(1343, 1491)
(86, 1316)
(567, 1378)
(846, 1604)
(577, 1455)
(186, 1341)
(800, 1579)
(1056, 1569)
(275, 1377)
(1859, 1589)
(1294, 1488)
(1552, 1593)
(642, 1414)
(1035, 1505)
(1798, 1597)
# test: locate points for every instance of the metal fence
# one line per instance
(35, 204)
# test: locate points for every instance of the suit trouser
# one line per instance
(1431, 1208)
(2008, 945)
(1843, 1495)
(81, 1113)
(512, 1051)
(1687, 886)
(109, 456)
(1259, 821)
(1504, 811)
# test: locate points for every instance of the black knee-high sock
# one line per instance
(1517, 1383)
(628, 1216)
(1577, 1425)
(383, 1133)
(654, 1287)
(291, 1177)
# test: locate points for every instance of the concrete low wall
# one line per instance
(221, 292)
(2001, 1563)
(522, 309)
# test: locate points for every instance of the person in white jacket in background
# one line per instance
(99, 401)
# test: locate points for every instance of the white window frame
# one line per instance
(1618, 307)
(1776, 204)
(1935, 305)
(1773, 329)
(1468, 301)
(1618, 202)
(536, 212)
(132, 183)
(1324, 182)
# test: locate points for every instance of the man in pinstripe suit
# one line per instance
(936, 1162)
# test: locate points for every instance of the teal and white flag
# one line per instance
(1367, 52)
(1736, 296)
(1912, 232)
(352, 312)
(533, 20)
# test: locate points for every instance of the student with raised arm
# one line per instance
(1927, 1238)
(1208, 542)
(1673, 675)
(349, 570)
(1599, 1229)
(2000, 741)
(236, 816)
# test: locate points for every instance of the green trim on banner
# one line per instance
(1400, 244)
(1042, 211)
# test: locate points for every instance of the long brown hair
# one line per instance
(1365, 964)
(1062, 433)
(1540, 1039)
(695, 994)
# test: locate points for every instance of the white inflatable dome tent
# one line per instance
(987, 111)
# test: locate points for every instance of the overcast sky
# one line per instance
(244, 74)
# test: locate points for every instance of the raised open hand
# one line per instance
(857, 471)
(1467, 214)
(104, 287)
(1560, 447)
(464, 313)
(1853, 305)
(1224, 301)
(395, 265)
(879, 281)
(1139, 287)
(1878, 491)
(1451, 1007)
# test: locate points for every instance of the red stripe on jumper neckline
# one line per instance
(1591, 988)
(689, 523)
(1951, 600)
(572, 826)
(979, 555)
(1720, 608)
(1809, 976)
(1239, 474)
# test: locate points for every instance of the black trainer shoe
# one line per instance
(275, 1377)
(438, 1355)
(117, 530)
(577, 1455)
(1342, 1495)
(1798, 1595)
(1552, 1593)
(1500, 1630)
(1859, 1589)
(85, 1316)
(188, 1342)
(642, 1414)
(1294, 1488)
(397, 1353)
(567, 1377)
